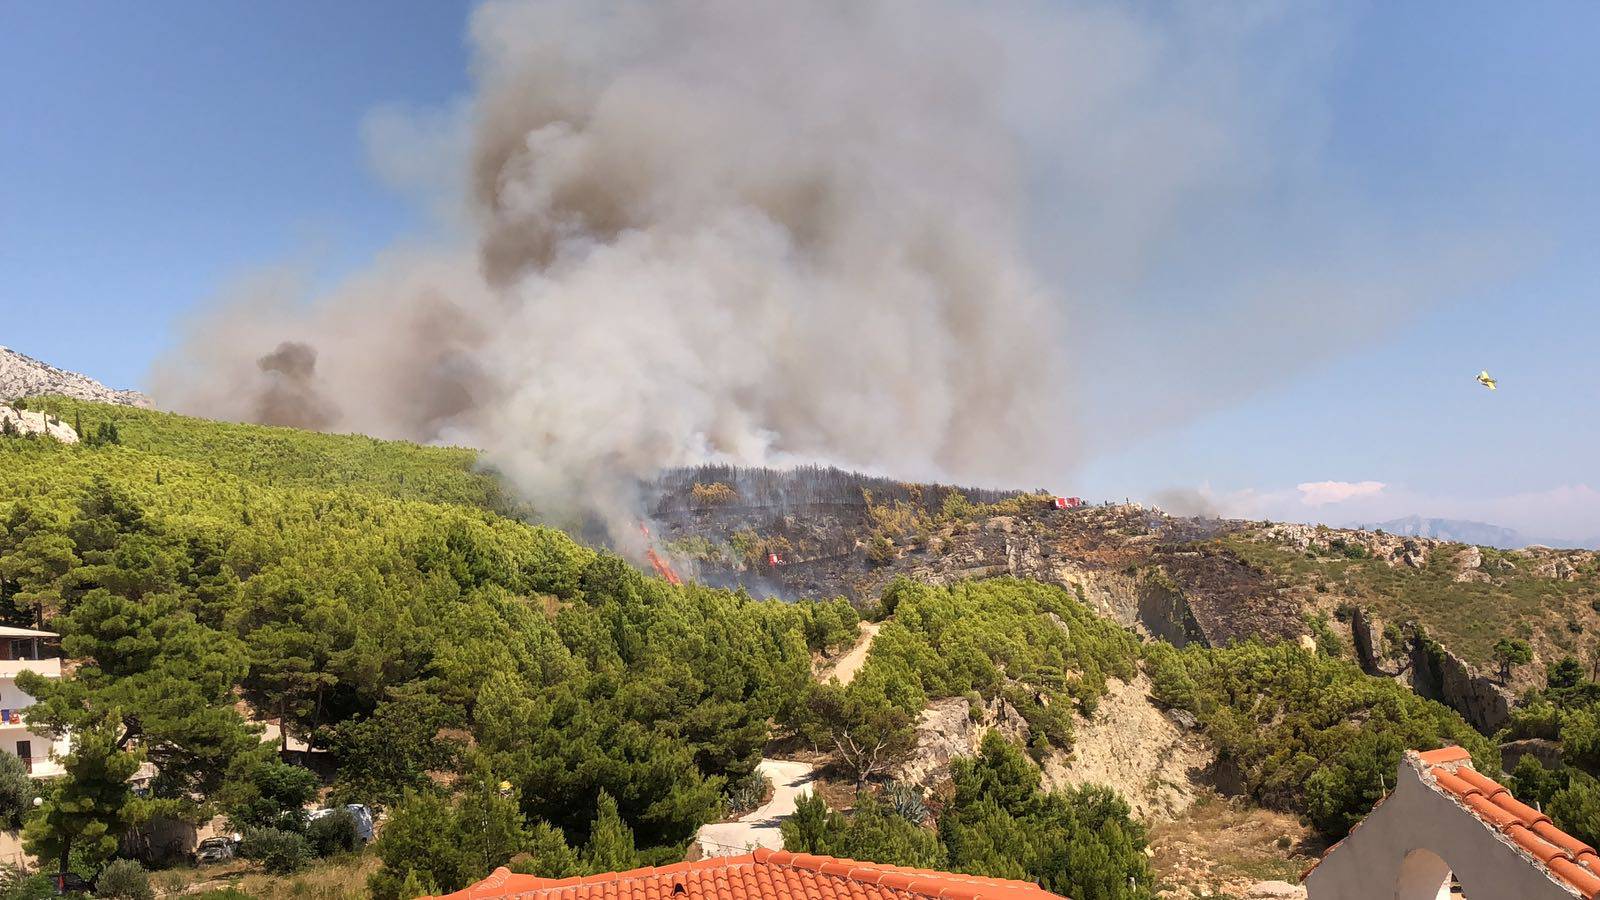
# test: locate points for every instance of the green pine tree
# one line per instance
(488, 820)
(549, 855)
(86, 812)
(610, 847)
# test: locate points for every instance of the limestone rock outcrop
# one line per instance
(23, 376)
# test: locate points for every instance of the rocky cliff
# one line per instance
(23, 376)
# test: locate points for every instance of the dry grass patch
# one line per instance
(1220, 847)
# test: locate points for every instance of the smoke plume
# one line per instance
(743, 232)
(762, 232)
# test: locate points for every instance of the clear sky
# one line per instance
(150, 155)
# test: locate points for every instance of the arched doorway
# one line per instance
(1425, 876)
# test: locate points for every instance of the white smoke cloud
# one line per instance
(743, 232)
(761, 231)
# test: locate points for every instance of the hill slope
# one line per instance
(1183, 580)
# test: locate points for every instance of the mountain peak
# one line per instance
(1457, 530)
(23, 376)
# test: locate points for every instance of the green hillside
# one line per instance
(285, 457)
(503, 691)
(1508, 594)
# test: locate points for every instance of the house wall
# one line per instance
(1387, 857)
(41, 747)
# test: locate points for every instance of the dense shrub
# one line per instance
(333, 833)
(16, 885)
(124, 879)
(265, 793)
(1313, 734)
(1170, 683)
(1078, 843)
(278, 851)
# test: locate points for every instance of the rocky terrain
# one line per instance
(1423, 610)
(1162, 574)
(23, 376)
(27, 421)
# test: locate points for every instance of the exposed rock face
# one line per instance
(24, 376)
(27, 421)
(1392, 548)
(1469, 565)
(1561, 565)
(948, 730)
(1547, 752)
(1129, 744)
(1438, 674)
(1366, 632)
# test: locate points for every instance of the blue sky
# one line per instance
(152, 155)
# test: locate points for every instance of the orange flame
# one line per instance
(661, 567)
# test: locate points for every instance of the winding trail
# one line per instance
(848, 665)
(790, 782)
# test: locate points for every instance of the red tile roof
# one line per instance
(1568, 858)
(762, 875)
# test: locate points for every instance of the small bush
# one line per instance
(14, 885)
(880, 550)
(279, 852)
(906, 801)
(1171, 685)
(334, 833)
(124, 879)
(747, 794)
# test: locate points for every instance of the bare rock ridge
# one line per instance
(23, 376)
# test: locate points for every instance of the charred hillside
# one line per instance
(824, 532)
(1424, 610)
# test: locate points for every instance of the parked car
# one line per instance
(218, 849)
(358, 811)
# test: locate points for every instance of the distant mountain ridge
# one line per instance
(1460, 531)
(23, 376)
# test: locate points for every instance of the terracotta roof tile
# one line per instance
(1561, 839)
(1494, 815)
(1538, 846)
(762, 875)
(1577, 876)
(1567, 858)
(1444, 755)
(1519, 809)
(1482, 782)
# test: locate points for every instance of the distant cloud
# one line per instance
(1322, 493)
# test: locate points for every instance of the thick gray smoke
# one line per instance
(703, 230)
(765, 231)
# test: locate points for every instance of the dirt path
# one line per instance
(846, 666)
(790, 782)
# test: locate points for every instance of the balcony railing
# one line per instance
(50, 668)
(43, 765)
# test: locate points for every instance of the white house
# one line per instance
(23, 649)
(1447, 830)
